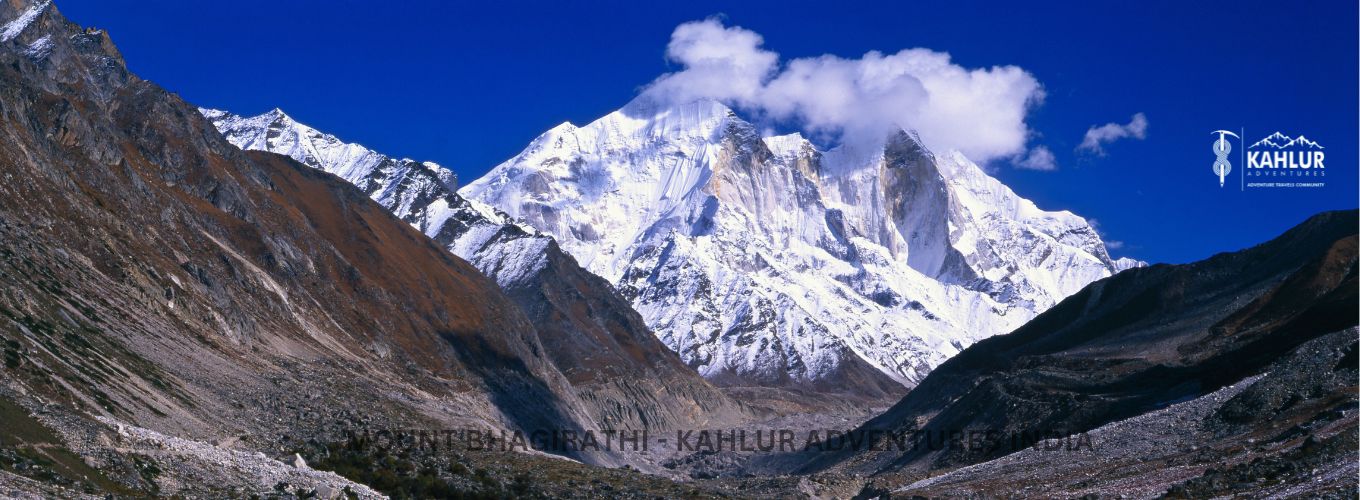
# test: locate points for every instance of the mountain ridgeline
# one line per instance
(766, 261)
(761, 261)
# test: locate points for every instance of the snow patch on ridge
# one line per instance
(40, 48)
(16, 26)
(420, 193)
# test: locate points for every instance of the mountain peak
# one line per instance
(213, 114)
(907, 140)
(566, 126)
(678, 204)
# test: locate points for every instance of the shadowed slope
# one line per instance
(1133, 343)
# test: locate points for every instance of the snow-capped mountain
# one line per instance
(420, 193)
(403, 185)
(759, 260)
(763, 260)
(614, 362)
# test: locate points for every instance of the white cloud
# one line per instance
(1038, 158)
(720, 63)
(1097, 137)
(1114, 244)
(980, 112)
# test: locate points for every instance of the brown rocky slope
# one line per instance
(157, 276)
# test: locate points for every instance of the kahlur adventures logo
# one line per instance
(1278, 156)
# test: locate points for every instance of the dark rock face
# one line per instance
(1140, 341)
(920, 198)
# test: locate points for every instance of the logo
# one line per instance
(1222, 167)
(1275, 161)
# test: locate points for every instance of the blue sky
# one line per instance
(469, 84)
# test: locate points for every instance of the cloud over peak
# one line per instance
(980, 111)
(1097, 137)
(720, 63)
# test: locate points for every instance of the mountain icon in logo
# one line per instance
(1281, 141)
(1303, 142)
(1280, 155)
